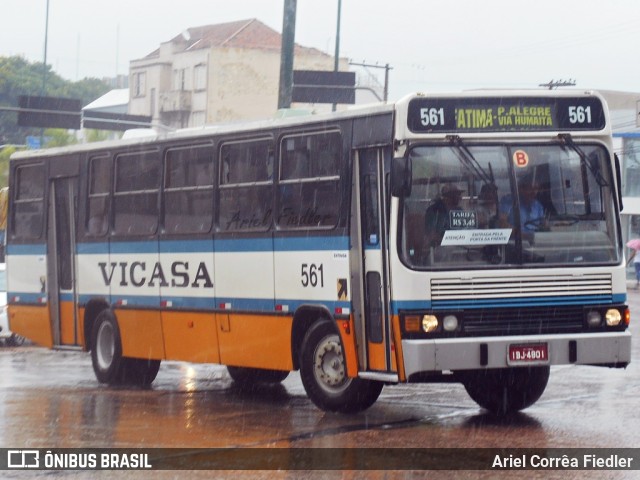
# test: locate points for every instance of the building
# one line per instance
(216, 73)
(623, 107)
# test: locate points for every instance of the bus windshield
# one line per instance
(517, 204)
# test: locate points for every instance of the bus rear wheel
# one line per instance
(248, 376)
(324, 373)
(109, 365)
(506, 390)
(106, 349)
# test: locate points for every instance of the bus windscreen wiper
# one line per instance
(470, 161)
(565, 139)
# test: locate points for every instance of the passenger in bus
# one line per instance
(532, 214)
(98, 220)
(488, 206)
(437, 216)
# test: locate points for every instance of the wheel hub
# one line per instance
(329, 365)
(105, 346)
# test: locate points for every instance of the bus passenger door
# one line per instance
(374, 278)
(61, 249)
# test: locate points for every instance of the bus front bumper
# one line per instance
(605, 348)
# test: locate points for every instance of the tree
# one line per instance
(5, 153)
(21, 77)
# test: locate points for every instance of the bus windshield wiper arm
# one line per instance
(565, 139)
(469, 160)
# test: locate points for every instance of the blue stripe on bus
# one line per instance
(92, 248)
(396, 306)
(26, 298)
(134, 247)
(243, 245)
(300, 244)
(33, 249)
(182, 246)
(233, 304)
(246, 304)
(287, 244)
(295, 304)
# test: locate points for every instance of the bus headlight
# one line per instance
(450, 323)
(613, 317)
(429, 323)
(594, 319)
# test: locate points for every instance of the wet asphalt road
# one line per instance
(50, 399)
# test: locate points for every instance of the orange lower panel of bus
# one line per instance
(231, 339)
(70, 333)
(255, 341)
(190, 337)
(32, 322)
(397, 341)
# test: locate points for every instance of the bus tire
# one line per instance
(141, 371)
(106, 349)
(506, 390)
(324, 373)
(248, 376)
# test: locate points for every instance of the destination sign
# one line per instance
(505, 114)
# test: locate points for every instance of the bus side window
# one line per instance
(309, 184)
(188, 190)
(27, 215)
(246, 185)
(136, 192)
(99, 200)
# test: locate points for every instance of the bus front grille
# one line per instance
(523, 321)
(525, 305)
(520, 291)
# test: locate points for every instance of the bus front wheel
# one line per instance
(506, 390)
(324, 373)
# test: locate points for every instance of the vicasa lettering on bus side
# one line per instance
(139, 274)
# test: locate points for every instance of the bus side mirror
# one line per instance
(401, 173)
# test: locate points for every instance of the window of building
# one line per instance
(188, 190)
(99, 196)
(136, 193)
(308, 191)
(139, 84)
(200, 77)
(28, 206)
(179, 79)
(246, 185)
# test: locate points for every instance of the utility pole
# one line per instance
(44, 66)
(286, 53)
(387, 68)
(44, 62)
(336, 61)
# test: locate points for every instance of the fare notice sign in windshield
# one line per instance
(505, 114)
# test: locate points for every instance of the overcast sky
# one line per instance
(445, 45)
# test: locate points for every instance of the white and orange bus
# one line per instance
(472, 238)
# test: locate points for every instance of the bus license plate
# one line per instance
(538, 353)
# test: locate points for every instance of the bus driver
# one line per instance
(437, 217)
